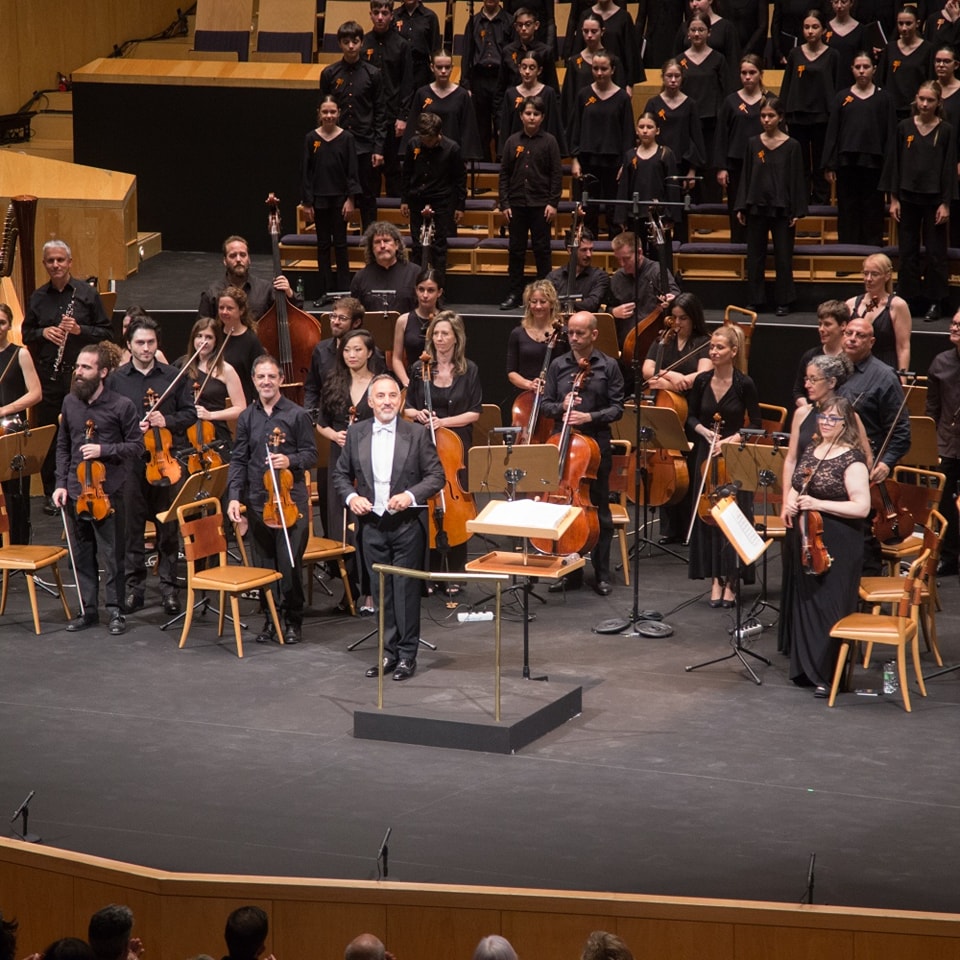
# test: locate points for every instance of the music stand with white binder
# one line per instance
(748, 544)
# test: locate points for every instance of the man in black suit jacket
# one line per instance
(396, 469)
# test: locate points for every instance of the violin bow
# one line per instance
(675, 364)
(73, 562)
(717, 426)
(213, 363)
(893, 425)
(163, 396)
(276, 494)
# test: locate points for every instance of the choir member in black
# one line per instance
(358, 88)
(888, 313)
(591, 285)
(451, 103)
(921, 177)
(906, 63)
(831, 478)
(579, 66)
(542, 12)
(810, 82)
(772, 197)
(63, 314)
(832, 319)
(243, 346)
(786, 27)
(859, 132)
(218, 392)
(530, 86)
(530, 183)
(457, 400)
(486, 35)
(296, 451)
(845, 35)
(722, 32)
(650, 171)
(329, 182)
(388, 281)
(943, 27)
(145, 498)
(943, 405)
(602, 133)
(20, 390)
(115, 440)
(410, 330)
(419, 26)
(685, 348)
(434, 187)
(620, 40)
(945, 67)
(738, 121)
(750, 19)
(260, 294)
(527, 343)
(343, 402)
(657, 25)
(385, 49)
(525, 25)
(599, 403)
(726, 391)
(636, 288)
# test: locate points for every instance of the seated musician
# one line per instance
(527, 343)
(591, 285)
(599, 404)
(149, 489)
(685, 350)
(457, 400)
(20, 389)
(258, 292)
(97, 425)
(832, 318)
(386, 471)
(388, 281)
(276, 424)
(243, 345)
(410, 330)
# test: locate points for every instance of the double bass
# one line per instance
(286, 332)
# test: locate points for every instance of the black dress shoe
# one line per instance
(389, 663)
(49, 508)
(83, 622)
(405, 670)
(267, 634)
(932, 315)
(663, 541)
(170, 603)
(603, 588)
(133, 601)
(291, 635)
(782, 311)
(821, 692)
(514, 300)
(117, 625)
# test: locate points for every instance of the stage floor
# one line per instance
(673, 783)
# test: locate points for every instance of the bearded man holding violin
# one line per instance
(273, 446)
(591, 411)
(99, 436)
(144, 381)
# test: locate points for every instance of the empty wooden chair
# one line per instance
(321, 549)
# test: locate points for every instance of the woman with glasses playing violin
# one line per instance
(830, 492)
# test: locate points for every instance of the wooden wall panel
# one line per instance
(438, 933)
(548, 934)
(41, 902)
(793, 943)
(320, 931)
(677, 939)
(194, 924)
(880, 946)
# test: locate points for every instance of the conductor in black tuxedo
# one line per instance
(396, 469)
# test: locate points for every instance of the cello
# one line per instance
(579, 463)
(287, 332)
(641, 335)
(525, 412)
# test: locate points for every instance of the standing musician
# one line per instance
(99, 432)
(275, 423)
(259, 293)
(243, 345)
(832, 319)
(20, 389)
(149, 490)
(395, 468)
(410, 330)
(387, 281)
(591, 285)
(599, 404)
(62, 316)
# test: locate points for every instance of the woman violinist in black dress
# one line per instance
(724, 395)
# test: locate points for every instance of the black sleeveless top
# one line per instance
(13, 385)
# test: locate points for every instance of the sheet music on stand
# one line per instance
(739, 530)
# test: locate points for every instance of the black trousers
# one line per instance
(782, 234)
(483, 97)
(918, 222)
(47, 412)
(811, 137)
(950, 468)
(605, 169)
(332, 231)
(391, 169)
(369, 189)
(523, 221)
(143, 502)
(859, 206)
(99, 543)
(17, 496)
(268, 548)
(734, 168)
(399, 540)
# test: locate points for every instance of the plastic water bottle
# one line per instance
(298, 290)
(890, 682)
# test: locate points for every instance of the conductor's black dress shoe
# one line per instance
(388, 664)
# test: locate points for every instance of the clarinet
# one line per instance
(58, 363)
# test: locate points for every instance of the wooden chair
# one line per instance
(28, 558)
(491, 417)
(321, 549)
(895, 631)
(734, 314)
(621, 474)
(772, 417)
(921, 491)
(880, 590)
(203, 537)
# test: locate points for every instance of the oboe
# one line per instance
(58, 363)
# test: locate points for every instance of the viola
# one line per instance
(162, 469)
(579, 463)
(525, 412)
(453, 506)
(92, 503)
(286, 332)
(814, 556)
(280, 509)
(202, 437)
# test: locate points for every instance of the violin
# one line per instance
(525, 412)
(815, 558)
(92, 503)
(202, 436)
(714, 476)
(162, 469)
(280, 509)
(579, 463)
(453, 506)
(286, 332)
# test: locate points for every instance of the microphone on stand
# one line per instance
(382, 855)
